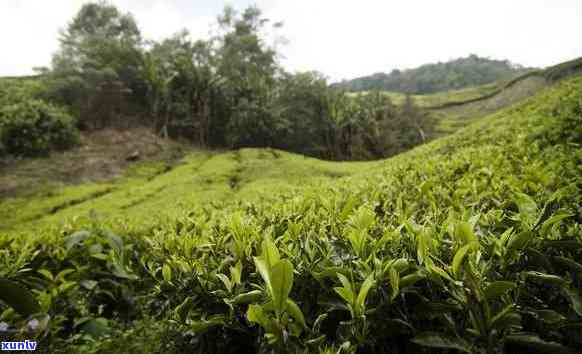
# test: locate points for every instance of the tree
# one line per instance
(157, 77)
(248, 67)
(182, 85)
(301, 111)
(200, 87)
(100, 47)
(418, 119)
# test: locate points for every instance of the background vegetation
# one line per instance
(451, 75)
(225, 92)
(30, 126)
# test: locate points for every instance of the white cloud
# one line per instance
(160, 19)
(340, 38)
(29, 32)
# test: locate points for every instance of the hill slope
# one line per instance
(457, 114)
(470, 243)
(201, 177)
(458, 108)
(430, 78)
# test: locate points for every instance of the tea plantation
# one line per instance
(471, 243)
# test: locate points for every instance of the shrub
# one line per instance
(34, 127)
(18, 90)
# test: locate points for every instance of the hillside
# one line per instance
(459, 114)
(457, 109)
(436, 99)
(469, 243)
(430, 78)
(168, 185)
(98, 179)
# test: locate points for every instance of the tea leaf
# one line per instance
(443, 341)
(246, 298)
(528, 209)
(263, 269)
(465, 235)
(366, 286)
(575, 299)
(550, 316)
(519, 241)
(459, 258)
(167, 273)
(282, 282)
(295, 312)
(96, 327)
(76, 238)
(18, 297)
(394, 283)
(537, 344)
(497, 289)
(411, 279)
(545, 278)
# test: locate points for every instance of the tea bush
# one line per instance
(33, 127)
(472, 243)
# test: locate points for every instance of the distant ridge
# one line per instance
(550, 75)
(429, 78)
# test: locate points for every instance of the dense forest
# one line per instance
(228, 91)
(451, 75)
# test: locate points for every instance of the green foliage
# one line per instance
(469, 243)
(231, 90)
(330, 123)
(33, 127)
(280, 316)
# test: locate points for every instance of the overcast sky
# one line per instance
(342, 39)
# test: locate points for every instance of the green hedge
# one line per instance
(34, 127)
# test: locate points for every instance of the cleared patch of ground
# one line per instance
(102, 156)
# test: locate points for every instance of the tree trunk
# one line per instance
(164, 131)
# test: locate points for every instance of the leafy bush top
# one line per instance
(33, 127)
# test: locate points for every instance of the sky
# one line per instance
(342, 39)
